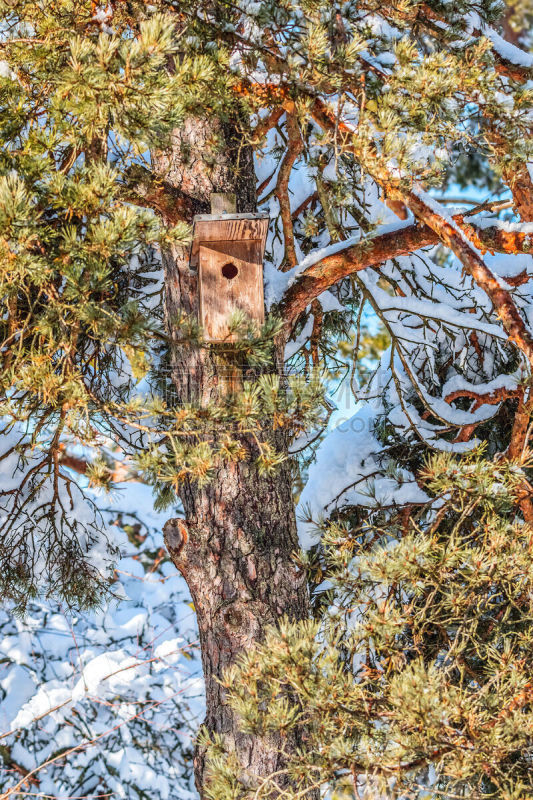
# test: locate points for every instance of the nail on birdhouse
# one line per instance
(227, 251)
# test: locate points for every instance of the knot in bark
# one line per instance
(176, 536)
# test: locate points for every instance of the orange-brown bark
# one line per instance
(368, 253)
(502, 300)
(270, 121)
(294, 149)
(521, 186)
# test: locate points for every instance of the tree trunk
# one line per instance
(235, 544)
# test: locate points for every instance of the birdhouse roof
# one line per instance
(227, 228)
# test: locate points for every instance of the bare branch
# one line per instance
(270, 121)
(294, 149)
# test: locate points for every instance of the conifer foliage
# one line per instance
(416, 682)
(80, 108)
(393, 155)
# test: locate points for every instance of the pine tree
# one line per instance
(117, 124)
(417, 680)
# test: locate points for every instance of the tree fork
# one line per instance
(234, 547)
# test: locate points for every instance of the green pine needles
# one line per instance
(80, 273)
(189, 441)
(417, 683)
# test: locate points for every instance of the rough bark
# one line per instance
(521, 185)
(234, 547)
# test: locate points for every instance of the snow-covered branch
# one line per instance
(329, 265)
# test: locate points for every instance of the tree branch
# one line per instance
(294, 149)
(475, 266)
(144, 189)
(370, 252)
(270, 121)
(521, 186)
(450, 235)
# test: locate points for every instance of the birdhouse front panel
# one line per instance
(231, 279)
(227, 251)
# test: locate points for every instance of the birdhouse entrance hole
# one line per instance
(230, 271)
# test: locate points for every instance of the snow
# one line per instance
(130, 671)
(507, 265)
(18, 686)
(277, 282)
(507, 50)
(427, 309)
(443, 212)
(294, 345)
(103, 15)
(329, 302)
(103, 667)
(337, 247)
(6, 71)
(482, 221)
(431, 313)
(351, 458)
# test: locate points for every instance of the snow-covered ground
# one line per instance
(106, 702)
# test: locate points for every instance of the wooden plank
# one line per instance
(229, 228)
(223, 203)
(230, 279)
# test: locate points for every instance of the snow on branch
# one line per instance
(510, 59)
(326, 266)
(106, 700)
(437, 218)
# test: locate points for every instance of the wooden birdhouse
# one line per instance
(227, 251)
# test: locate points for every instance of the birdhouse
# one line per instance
(227, 251)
